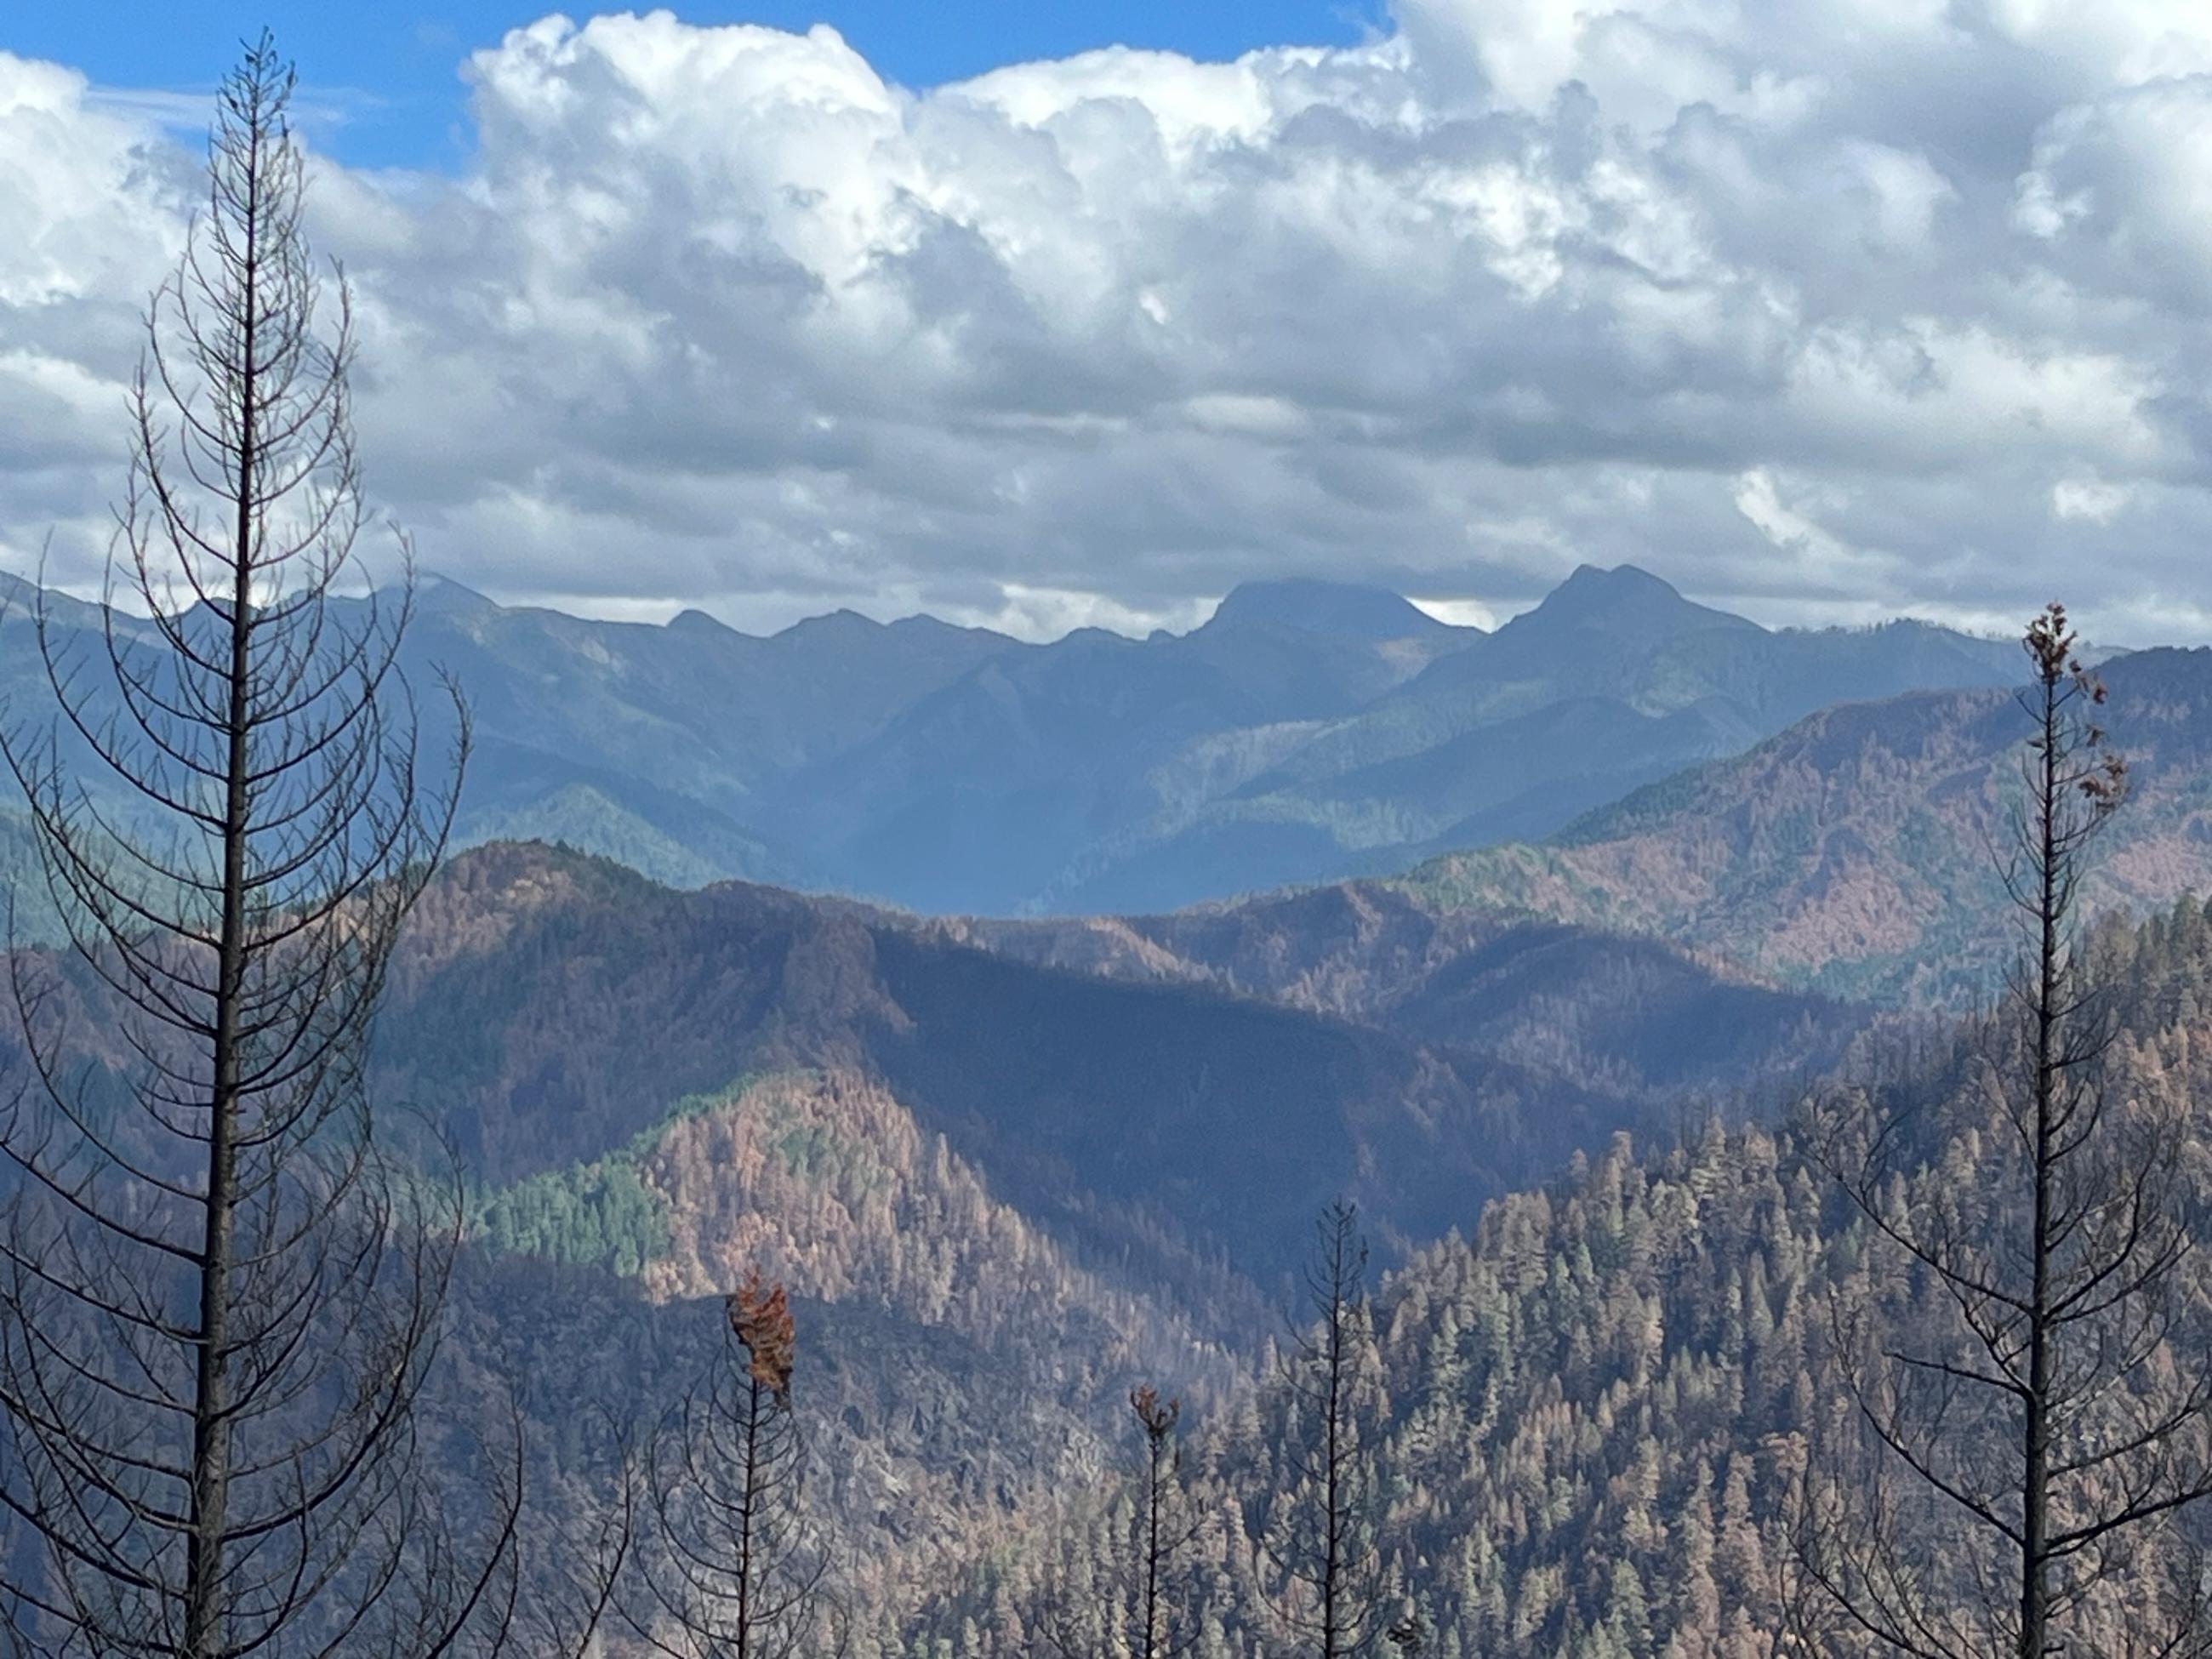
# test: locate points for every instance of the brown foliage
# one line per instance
(760, 1317)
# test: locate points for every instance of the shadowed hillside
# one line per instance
(547, 1009)
(1628, 1013)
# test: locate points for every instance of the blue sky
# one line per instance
(391, 69)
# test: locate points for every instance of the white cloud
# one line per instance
(1461, 613)
(1823, 558)
(1776, 299)
(2087, 498)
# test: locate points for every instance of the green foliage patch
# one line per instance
(600, 1214)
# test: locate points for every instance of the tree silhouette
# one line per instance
(733, 1567)
(1133, 1602)
(2028, 1436)
(1323, 1546)
(219, 1302)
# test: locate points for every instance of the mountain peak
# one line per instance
(700, 624)
(1622, 580)
(434, 592)
(1625, 600)
(1346, 611)
(844, 624)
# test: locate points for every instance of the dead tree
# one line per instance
(1322, 1543)
(2031, 1401)
(1125, 1597)
(1165, 1528)
(732, 1566)
(219, 1302)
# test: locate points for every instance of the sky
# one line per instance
(389, 81)
(1042, 316)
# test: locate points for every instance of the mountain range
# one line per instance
(1010, 1164)
(1307, 732)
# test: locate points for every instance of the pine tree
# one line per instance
(732, 1565)
(219, 1302)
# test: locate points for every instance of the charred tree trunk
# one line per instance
(1323, 1548)
(732, 1566)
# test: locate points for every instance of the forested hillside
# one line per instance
(988, 1179)
(958, 1364)
(1588, 1418)
(545, 1009)
(1856, 853)
(1627, 1012)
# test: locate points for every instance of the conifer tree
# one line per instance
(732, 1566)
(219, 1302)
(1163, 1527)
(1131, 1598)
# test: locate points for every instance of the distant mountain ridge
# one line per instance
(1344, 609)
(1307, 732)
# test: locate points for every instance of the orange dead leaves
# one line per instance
(760, 1313)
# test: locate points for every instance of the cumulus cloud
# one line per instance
(1822, 308)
